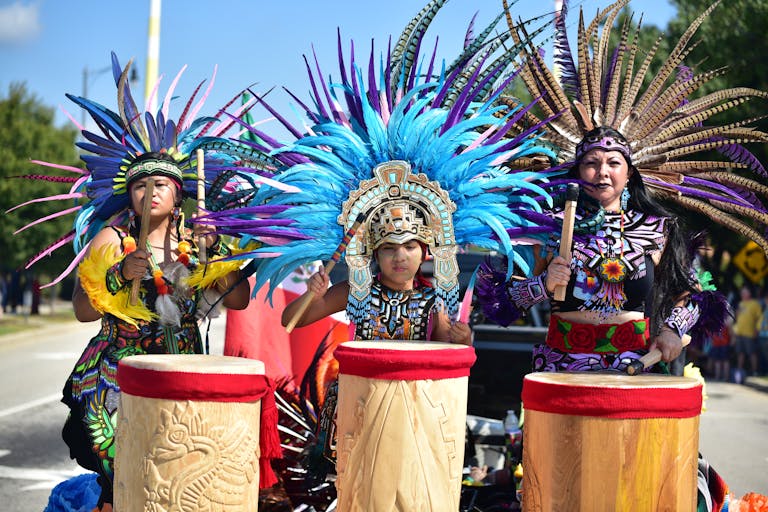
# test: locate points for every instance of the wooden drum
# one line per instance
(188, 433)
(401, 424)
(605, 442)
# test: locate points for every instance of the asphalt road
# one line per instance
(33, 458)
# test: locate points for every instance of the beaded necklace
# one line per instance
(184, 248)
(611, 268)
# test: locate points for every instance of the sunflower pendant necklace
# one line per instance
(613, 269)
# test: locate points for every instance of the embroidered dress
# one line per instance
(612, 271)
(91, 391)
(398, 315)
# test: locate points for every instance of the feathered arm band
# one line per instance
(93, 272)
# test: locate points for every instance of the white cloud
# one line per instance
(18, 22)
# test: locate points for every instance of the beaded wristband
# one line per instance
(114, 278)
(528, 292)
(682, 318)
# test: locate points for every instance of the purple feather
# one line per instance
(343, 71)
(717, 186)
(739, 154)
(491, 293)
(703, 194)
(373, 97)
(309, 112)
(432, 59)
(327, 93)
(714, 311)
(469, 36)
(315, 93)
(279, 117)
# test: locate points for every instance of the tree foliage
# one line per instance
(732, 36)
(27, 132)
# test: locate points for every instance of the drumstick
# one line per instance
(307, 299)
(651, 358)
(566, 237)
(202, 255)
(146, 213)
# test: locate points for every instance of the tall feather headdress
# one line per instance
(667, 128)
(99, 193)
(440, 134)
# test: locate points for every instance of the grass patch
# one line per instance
(10, 324)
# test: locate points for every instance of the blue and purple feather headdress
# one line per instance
(99, 191)
(445, 124)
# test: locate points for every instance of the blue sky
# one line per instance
(48, 43)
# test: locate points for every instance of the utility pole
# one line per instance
(153, 54)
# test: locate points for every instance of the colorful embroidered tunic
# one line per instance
(611, 271)
(91, 392)
(398, 314)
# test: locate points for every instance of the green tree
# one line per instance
(27, 132)
(732, 36)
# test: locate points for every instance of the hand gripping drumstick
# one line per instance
(146, 213)
(566, 237)
(307, 299)
(202, 255)
(651, 358)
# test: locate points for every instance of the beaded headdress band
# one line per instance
(153, 167)
(606, 142)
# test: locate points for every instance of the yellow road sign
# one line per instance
(752, 262)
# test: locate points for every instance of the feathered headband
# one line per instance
(664, 126)
(125, 135)
(441, 128)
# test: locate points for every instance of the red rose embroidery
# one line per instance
(626, 337)
(581, 338)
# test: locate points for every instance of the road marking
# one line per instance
(44, 478)
(29, 405)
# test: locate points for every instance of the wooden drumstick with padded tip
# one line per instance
(566, 237)
(652, 357)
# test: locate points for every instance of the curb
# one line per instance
(758, 383)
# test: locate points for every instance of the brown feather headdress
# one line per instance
(610, 84)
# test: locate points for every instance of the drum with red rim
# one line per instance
(187, 436)
(606, 442)
(401, 420)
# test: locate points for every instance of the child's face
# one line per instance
(399, 262)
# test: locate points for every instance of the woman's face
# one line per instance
(606, 174)
(163, 196)
(399, 263)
